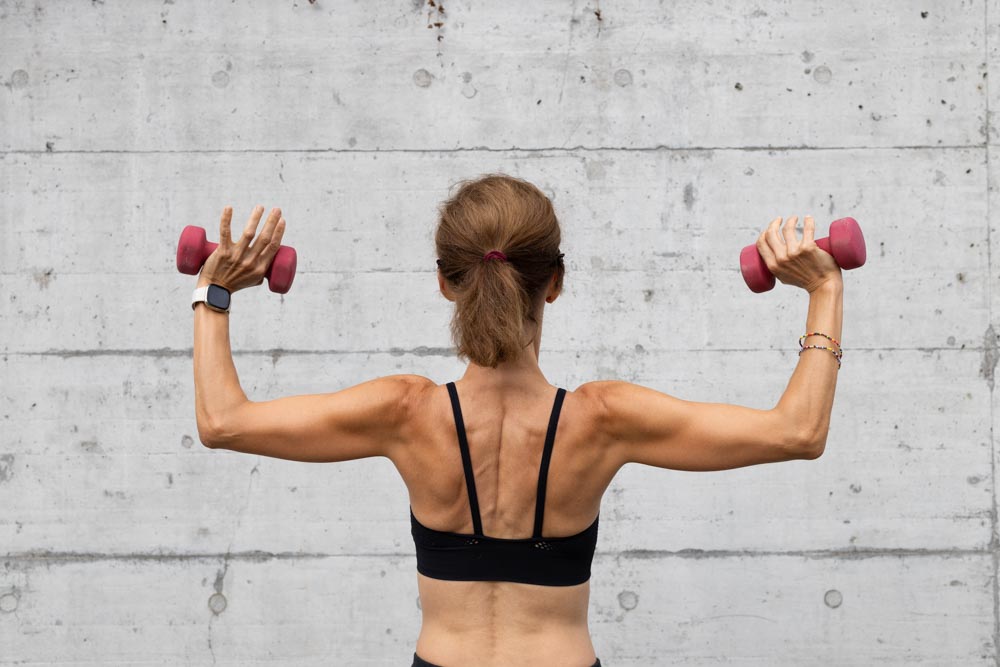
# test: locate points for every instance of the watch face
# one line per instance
(218, 297)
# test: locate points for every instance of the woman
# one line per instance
(503, 579)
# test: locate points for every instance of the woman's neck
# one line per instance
(520, 372)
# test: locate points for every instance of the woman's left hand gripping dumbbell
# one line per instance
(242, 264)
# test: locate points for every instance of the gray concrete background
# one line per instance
(668, 136)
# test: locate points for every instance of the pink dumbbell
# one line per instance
(193, 249)
(845, 243)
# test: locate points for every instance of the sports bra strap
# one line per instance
(463, 443)
(543, 472)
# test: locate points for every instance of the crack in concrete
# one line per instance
(425, 351)
(510, 149)
(220, 576)
(853, 553)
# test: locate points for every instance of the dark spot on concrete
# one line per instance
(623, 77)
(628, 600)
(833, 598)
(217, 603)
(187, 441)
(220, 79)
(422, 78)
(956, 582)
(19, 79)
(973, 479)
(8, 602)
(6, 467)
(807, 57)
(43, 278)
(220, 578)
(951, 340)
(738, 86)
(647, 295)
(960, 276)
(91, 447)
(823, 74)
(923, 15)
(989, 363)
(352, 142)
(689, 195)
(856, 488)
(50, 146)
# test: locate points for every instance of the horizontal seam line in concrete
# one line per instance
(511, 149)
(438, 351)
(846, 554)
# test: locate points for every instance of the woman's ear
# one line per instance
(443, 286)
(555, 287)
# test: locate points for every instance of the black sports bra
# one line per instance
(547, 561)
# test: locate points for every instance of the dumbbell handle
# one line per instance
(193, 249)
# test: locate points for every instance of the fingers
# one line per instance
(774, 239)
(269, 249)
(225, 240)
(808, 230)
(764, 245)
(788, 232)
(251, 227)
(260, 246)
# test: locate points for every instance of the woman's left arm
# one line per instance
(361, 421)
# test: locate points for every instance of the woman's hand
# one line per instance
(793, 261)
(238, 265)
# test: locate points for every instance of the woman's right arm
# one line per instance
(642, 425)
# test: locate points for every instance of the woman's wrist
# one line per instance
(829, 286)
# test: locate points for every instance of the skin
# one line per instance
(408, 419)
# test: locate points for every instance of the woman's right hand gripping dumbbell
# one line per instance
(795, 261)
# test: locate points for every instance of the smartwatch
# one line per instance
(215, 297)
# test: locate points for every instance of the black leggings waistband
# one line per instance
(420, 662)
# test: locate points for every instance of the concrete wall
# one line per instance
(668, 135)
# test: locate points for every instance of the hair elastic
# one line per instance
(494, 254)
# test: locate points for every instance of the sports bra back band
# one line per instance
(553, 561)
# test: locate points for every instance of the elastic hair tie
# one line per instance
(494, 254)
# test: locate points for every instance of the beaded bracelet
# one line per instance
(836, 353)
(821, 347)
(816, 333)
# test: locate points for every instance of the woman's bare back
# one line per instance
(499, 622)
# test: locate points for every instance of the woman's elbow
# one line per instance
(211, 434)
(814, 446)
